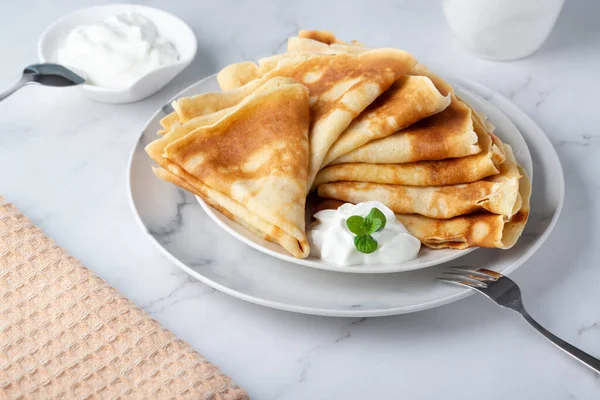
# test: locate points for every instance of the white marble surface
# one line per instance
(64, 163)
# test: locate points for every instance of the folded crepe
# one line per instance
(269, 63)
(325, 42)
(341, 87)
(482, 229)
(450, 171)
(459, 146)
(498, 194)
(447, 134)
(307, 43)
(473, 230)
(194, 123)
(187, 108)
(480, 121)
(424, 173)
(409, 100)
(236, 75)
(325, 37)
(444, 87)
(302, 44)
(249, 165)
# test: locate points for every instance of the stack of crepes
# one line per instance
(355, 125)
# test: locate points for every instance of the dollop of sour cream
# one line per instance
(331, 240)
(117, 52)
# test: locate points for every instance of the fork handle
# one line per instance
(582, 356)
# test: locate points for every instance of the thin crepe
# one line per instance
(498, 194)
(480, 122)
(448, 134)
(300, 44)
(341, 87)
(236, 75)
(322, 38)
(450, 171)
(409, 100)
(444, 87)
(424, 173)
(322, 42)
(473, 230)
(187, 108)
(325, 42)
(197, 122)
(250, 166)
(326, 37)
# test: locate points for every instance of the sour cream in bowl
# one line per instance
(127, 52)
(371, 237)
(117, 52)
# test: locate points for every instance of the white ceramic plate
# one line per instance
(426, 257)
(186, 234)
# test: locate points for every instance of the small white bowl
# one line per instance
(169, 26)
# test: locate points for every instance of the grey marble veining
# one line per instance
(65, 157)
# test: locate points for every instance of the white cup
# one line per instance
(502, 29)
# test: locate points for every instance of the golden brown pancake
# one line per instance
(206, 103)
(194, 123)
(324, 38)
(236, 75)
(444, 87)
(447, 134)
(249, 165)
(305, 44)
(299, 45)
(482, 229)
(319, 36)
(267, 64)
(424, 173)
(473, 230)
(187, 108)
(409, 100)
(167, 122)
(488, 141)
(222, 203)
(450, 171)
(455, 148)
(480, 122)
(316, 44)
(340, 86)
(497, 194)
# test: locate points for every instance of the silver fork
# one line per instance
(506, 293)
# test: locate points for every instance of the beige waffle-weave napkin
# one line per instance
(64, 333)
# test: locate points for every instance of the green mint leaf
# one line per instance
(365, 243)
(368, 224)
(375, 221)
(356, 225)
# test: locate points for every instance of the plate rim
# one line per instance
(345, 269)
(476, 87)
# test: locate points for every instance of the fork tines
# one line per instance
(475, 278)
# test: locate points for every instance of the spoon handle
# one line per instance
(26, 79)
